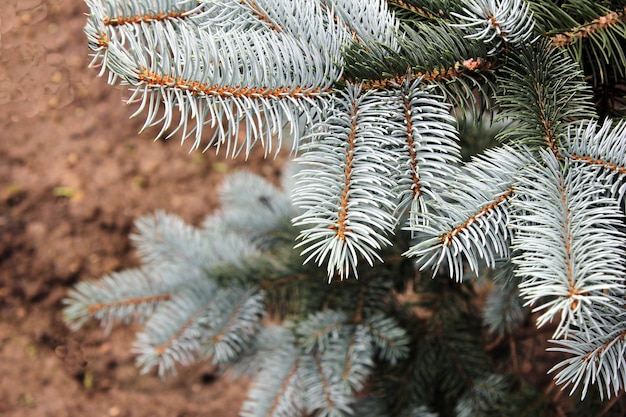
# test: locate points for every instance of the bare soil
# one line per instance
(74, 174)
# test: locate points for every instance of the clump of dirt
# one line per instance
(74, 174)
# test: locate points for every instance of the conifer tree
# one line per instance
(397, 210)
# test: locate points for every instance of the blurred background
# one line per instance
(74, 174)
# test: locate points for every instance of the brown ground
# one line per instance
(73, 176)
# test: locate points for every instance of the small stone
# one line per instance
(57, 77)
(72, 158)
(26, 18)
(53, 102)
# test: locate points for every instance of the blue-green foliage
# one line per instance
(368, 95)
(335, 346)
(317, 361)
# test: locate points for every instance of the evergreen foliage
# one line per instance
(370, 98)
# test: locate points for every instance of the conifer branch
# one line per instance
(260, 13)
(347, 220)
(196, 88)
(145, 18)
(355, 355)
(389, 338)
(429, 155)
(131, 295)
(163, 239)
(601, 147)
(108, 16)
(510, 20)
(597, 357)
(593, 34)
(206, 71)
(575, 223)
(163, 348)
(277, 390)
(416, 10)
(542, 99)
(236, 324)
(416, 187)
(469, 223)
(319, 328)
(287, 385)
(606, 165)
(448, 237)
(93, 309)
(174, 333)
(324, 391)
(482, 397)
(467, 238)
(587, 29)
(325, 385)
(352, 344)
(460, 68)
(340, 226)
(373, 25)
(457, 70)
